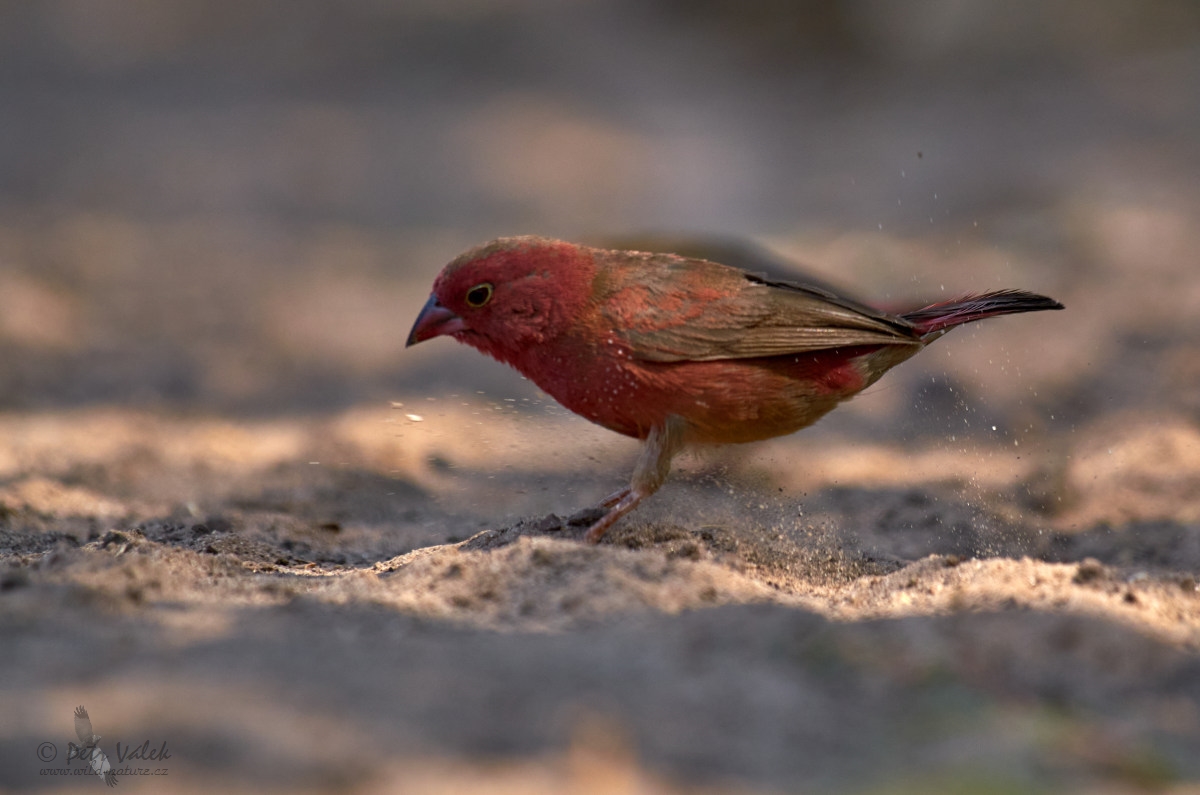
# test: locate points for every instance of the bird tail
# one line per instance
(948, 314)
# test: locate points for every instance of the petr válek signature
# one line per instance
(143, 752)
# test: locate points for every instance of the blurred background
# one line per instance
(219, 219)
(239, 206)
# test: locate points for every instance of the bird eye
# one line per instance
(479, 295)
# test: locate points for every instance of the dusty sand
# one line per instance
(384, 597)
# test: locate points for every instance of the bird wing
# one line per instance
(670, 309)
(83, 725)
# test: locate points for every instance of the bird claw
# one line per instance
(618, 504)
(597, 530)
(598, 515)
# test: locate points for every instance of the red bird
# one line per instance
(678, 351)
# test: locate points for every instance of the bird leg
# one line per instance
(653, 465)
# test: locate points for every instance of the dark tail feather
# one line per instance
(948, 314)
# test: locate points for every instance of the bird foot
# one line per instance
(616, 505)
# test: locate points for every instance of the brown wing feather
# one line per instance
(673, 309)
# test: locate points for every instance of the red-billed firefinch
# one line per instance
(674, 350)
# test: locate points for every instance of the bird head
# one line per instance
(507, 295)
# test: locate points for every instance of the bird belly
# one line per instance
(721, 401)
(733, 401)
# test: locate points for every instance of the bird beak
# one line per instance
(435, 320)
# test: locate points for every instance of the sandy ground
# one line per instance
(237, 517)
(385, 597)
